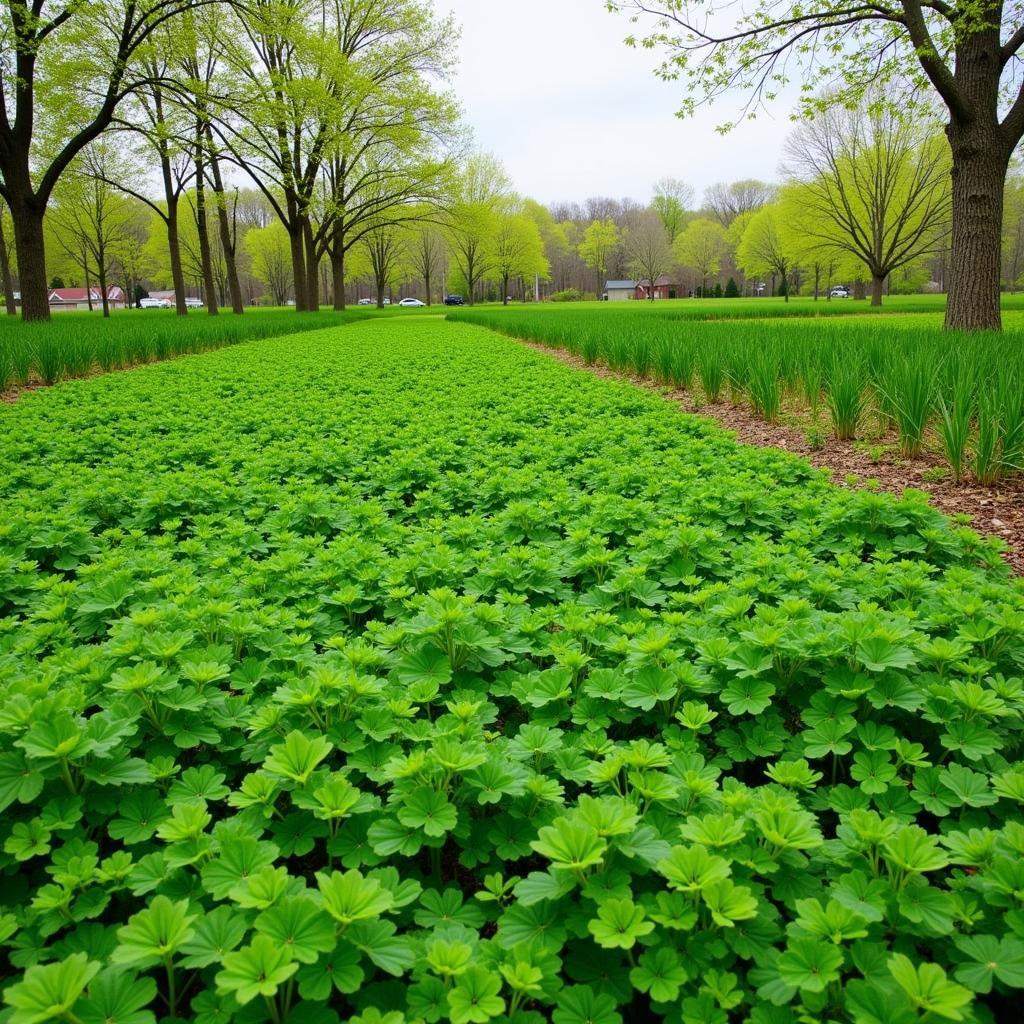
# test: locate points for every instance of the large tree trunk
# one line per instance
(298, 265)
(981, 150)
(312, 267)
(426, 281)
(171, 197)
(980, 161)
(30, 247)
(88, 281)
(174, 251)
(227, 241)
(205, 257)
(5, 270)
(338, 277)
(877, 281)
(102, 278)
(858, 288)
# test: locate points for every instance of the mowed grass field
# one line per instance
(398, 672)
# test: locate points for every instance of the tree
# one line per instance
(732, 200)
(396, 137)
(91, 218)
(600, 240)
(518, 249)
(872, 183)
(647, 248)
(763, 249)
(967, 51)
(472, 221)
(64, 68)
(701, 247)
(384, 250)
(672, 198)
(425, 250)
(269, 249)
(278, 109)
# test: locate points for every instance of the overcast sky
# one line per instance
(549, 87)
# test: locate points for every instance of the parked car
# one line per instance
(365, 302)
(454, 300)
(148, 303)
(410, 301)
(840, 292)
(387, 302)
(191, 302)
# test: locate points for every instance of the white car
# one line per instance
(194, 303)
(366, 302)
(148, 303)
(411, 302)
(840, 292)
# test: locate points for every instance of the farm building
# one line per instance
(662, 289)
(619, 291)
(64, 299)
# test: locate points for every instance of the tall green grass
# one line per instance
(76, 345)
(961, 395)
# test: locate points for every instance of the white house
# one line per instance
(619, 291)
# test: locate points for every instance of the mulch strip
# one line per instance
(996, 511)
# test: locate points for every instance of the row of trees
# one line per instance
(336, 114)
(962, 54)
(865, 195)
(334, 110)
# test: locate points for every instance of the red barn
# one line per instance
(662, 289)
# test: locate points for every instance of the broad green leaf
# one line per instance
(928, 988)
(49, 992)
(258, 969)
(154, 934)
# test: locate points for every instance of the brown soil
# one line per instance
(997, 511)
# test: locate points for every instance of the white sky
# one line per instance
(549, 87)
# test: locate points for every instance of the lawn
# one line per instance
(397, 667)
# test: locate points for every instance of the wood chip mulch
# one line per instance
(997, 510)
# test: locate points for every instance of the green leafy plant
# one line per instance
(331, 688)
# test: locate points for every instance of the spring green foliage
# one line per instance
(76, 345)
(969, 393)
(341, 680)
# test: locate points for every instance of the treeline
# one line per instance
(310, 152)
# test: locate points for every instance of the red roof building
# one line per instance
(78, 298)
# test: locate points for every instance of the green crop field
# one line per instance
(397, 669)
(964, 394)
